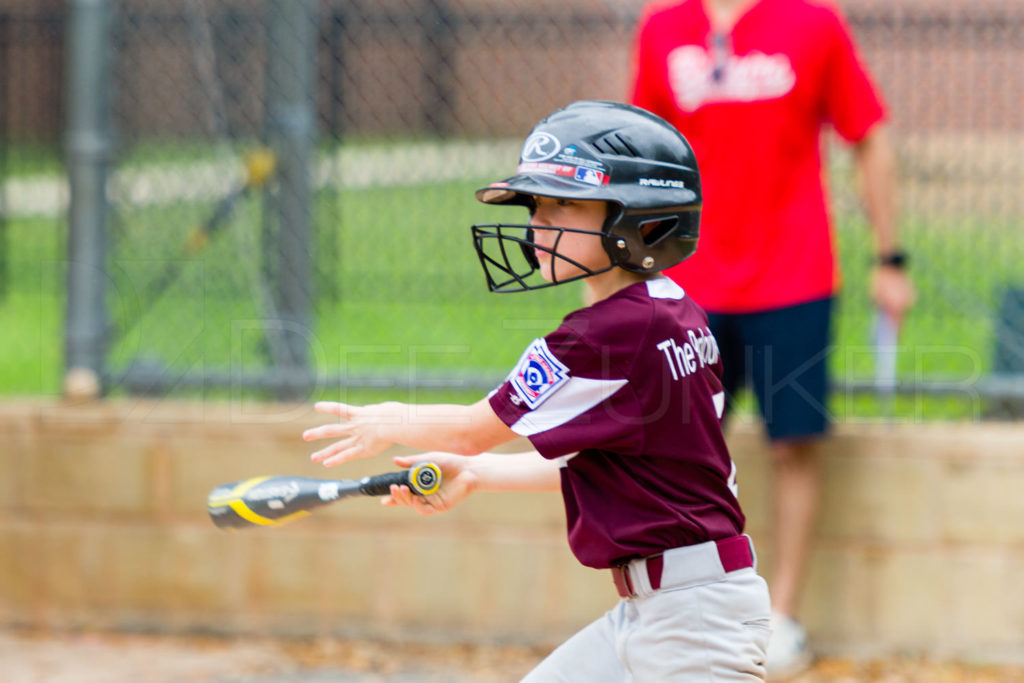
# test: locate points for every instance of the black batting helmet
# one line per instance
(606, 151)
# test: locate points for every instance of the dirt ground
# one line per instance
(32, 657)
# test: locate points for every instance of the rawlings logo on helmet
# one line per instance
(662, 182)
(540, 146)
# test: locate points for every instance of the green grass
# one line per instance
(32, 159)
(32, 308)
(399, 291)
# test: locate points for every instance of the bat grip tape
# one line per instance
(380, 484)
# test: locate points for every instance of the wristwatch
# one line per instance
(894, 259)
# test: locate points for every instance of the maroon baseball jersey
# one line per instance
(627, 393)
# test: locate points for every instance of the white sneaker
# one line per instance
(787, 650)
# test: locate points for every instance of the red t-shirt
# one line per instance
(785, 69)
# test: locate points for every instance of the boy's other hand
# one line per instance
(360, 435)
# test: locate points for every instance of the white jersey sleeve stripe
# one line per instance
(575, 397)
(719, 400)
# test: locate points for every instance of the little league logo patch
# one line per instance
(539, 374)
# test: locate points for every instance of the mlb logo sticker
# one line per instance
(589, 176)
(539, 374)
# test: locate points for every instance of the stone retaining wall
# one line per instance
(103, 525)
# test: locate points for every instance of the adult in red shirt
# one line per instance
(752, 84)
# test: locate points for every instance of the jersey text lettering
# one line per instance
(684, 358)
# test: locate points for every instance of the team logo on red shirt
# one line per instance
(539, 374)
(752, 77)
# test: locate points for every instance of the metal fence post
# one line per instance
(1008, 361)
(5, 33)
(291, 128)
(88, 156)
(440, 26)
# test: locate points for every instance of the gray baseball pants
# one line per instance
(704, 625)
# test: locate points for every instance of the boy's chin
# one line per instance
(545, 272)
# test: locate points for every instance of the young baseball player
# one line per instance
(623, 403)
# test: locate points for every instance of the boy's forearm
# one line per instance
(514, 472)
(466, 430)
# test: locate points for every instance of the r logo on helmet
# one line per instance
(540, 146)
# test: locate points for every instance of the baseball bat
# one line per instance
(886, 342)
(259, 165)
(272, 501)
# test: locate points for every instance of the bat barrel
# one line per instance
(270, 501)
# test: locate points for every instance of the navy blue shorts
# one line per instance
(782, 354)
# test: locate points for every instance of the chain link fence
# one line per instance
(32, 231)
(290, 189)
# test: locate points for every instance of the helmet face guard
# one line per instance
(600, 151)
(508, 256)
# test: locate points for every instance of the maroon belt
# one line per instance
(734, 553)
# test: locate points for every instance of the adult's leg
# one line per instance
(789, 371)
(797, 485)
